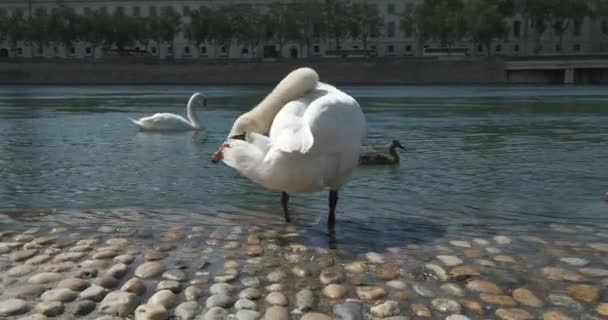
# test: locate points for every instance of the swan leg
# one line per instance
(333, 201)
(284, 200)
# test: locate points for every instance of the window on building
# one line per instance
(40, 51)
(170, 50)
(316, 49)
(152, 11)
(203, 50)
(72, 50)
(577, 29)
(19, 51)
(88, 50)
(187, 50)
(390, 8)
(390, 29)
(577, 47)
(102, 10)
(153, 50)
(3, 12)
(558, 47)
(515, 48)
(18, 12)
(244, 51)
(516, 28)
(498, 48)
(87, 11)
(373, 47)
(390, 48)
(119, 10)
(479, 48)
(408, 48)
(186, 11)
(605, 27)
(136, 11)
(224, 49)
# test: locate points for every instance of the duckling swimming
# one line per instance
(375, 158)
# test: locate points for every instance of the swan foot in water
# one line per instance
(284, 200)
(333, 201)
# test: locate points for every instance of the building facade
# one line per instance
(588, 38)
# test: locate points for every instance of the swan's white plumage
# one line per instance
(170, 121)
(314, 139)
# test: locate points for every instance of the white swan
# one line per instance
(174, 122)
(315, 133)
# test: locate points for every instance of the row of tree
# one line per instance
(303, 22)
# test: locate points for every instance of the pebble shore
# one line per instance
(249, 273)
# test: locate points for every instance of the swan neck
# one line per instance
(393, 152)
(192, 116)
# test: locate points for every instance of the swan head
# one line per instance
(243, 124)
(198, 100)
(396, 144)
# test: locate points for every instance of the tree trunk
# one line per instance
(526, 35)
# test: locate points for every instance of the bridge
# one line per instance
(564, 69)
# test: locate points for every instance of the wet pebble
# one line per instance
(86, 273)
(450, 261)
(512, 314)
(437, 271)
(175, 275)
(276, 276)
(564, 301)
(334, 291)
(526, 297)
(118, 303)
(222, 288)
(583, 292)
(599, 246)
(94, 292)
(25, 291)
(192, 293)
(315, 316)
(374, 257)
(156, 255)
(396, 284)
(23, 255)
(118, 270)
(247, 315)
(149, 270)
(84, 307)
(174, 286)
(102, 255)
(349, 310)
(452, 289)
(421, 310)
(251, 282)
(254, 251)
(554, 273)
(301, 271)
(44, 277)
(594, 272)
(151, 312)
(187, 310)
(576, 262)
(75, 284)
(276, 299)
(216, 313)
(60, 294)
(107, 281)
(556, 315)
(50, 308)
(219, 300)
(497, 299)
(483, 286)
(369, 293)
(21, 270)
(331, 275)
(446, 305)
(423, 290)
(245, 304)
(124, 258)
(305, 300)
(276, 313)
(134, 285)
(165, 298)
(356, 267)
(602, 309)
(39, 259)
(460, 243)
(457, 317)
(12, 307)
(502, 240)
(386, 309)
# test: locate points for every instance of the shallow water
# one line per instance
(478, 159)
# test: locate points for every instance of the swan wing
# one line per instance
(163, 121)
(290, 132)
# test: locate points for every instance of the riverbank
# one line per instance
(404, 71)
(248, 271)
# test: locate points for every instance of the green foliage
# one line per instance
(336, 20)
(364, 21)
(200, 28)
(484, 22)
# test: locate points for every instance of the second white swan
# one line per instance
(174, 122)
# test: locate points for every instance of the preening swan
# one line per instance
(373, 158)
(174, 122)
(304, 136)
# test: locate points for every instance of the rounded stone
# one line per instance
(356, 267)
(512, 314)
(349, 310)
(215, 313)
(86, 273)
(25, 291)
(374, 257)
(250, 293)
(102, 255)
(526, 297)
(23, 255)
(450, 261)
(45, 277)
(483, 286)
(75, 284)
(583, 292)
(219, 300)
(576, 262)
(124, 258)
(118, 270)
(564, 301)
(84, 307)
(276, 299)
(192, 293)
(13, 307)
(245, 304)
(222, 288)
(169, 285)
(276, 313)
(276, 276)
(438, 272)
(369, 293)
(594, 272)
(175, 275)
(497, 299)
(332, 275)
(460, 243)
(423, 290)
(156, 255)
(334, 291)
(118, 303)
(247, 315)
(151, 312)
(107, 281)
(452, 289)
(21, 270)
(387, 309)
(165, 298)
(457, 317)
(149, 270)
(315, 316)
(94, 292)
(50, 308)
(134, 285)
(187, 310)
(602, 308)
(60, 294)
(421, 310)
(554, 273)
(556, 315)
(446, 305)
